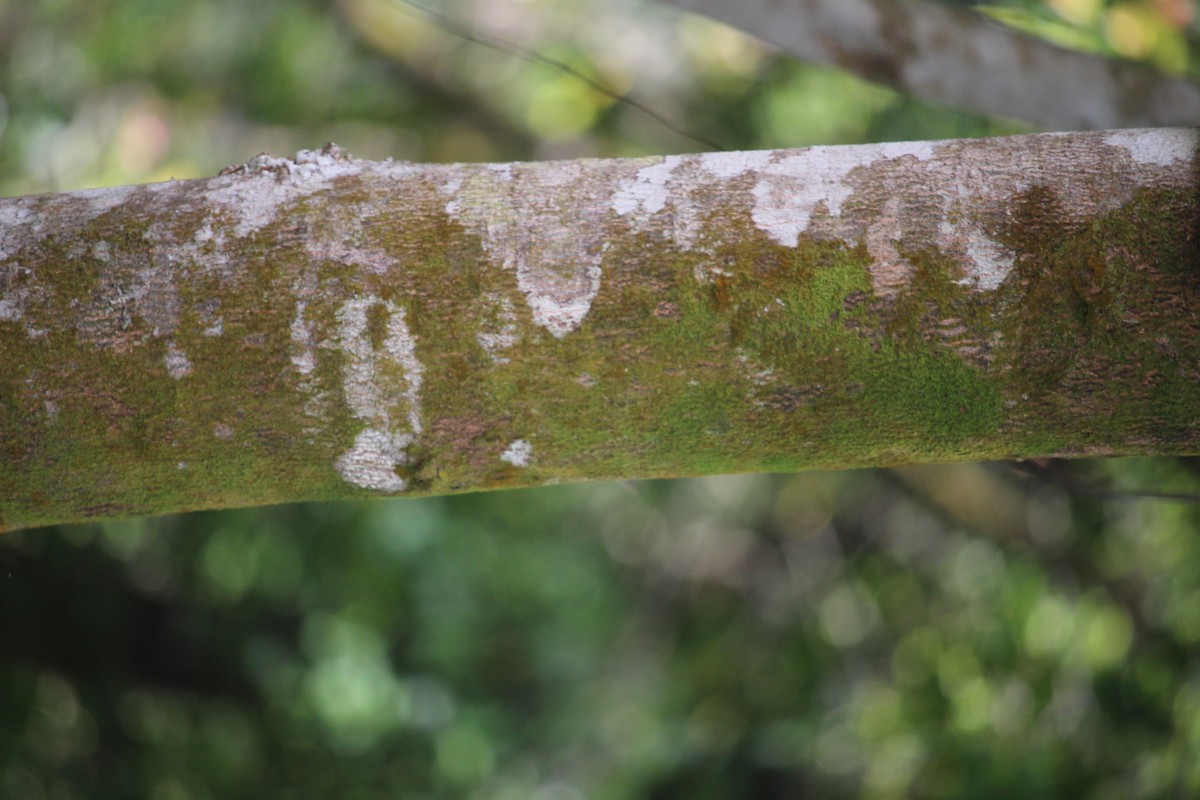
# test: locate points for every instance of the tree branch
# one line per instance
(324, 327)
(961, 59)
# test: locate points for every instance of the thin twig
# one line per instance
(1059, 477)
(533, 57)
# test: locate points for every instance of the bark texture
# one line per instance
(322, 327)
(960, 58)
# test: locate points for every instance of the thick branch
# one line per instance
(960, 58)
(324, 327)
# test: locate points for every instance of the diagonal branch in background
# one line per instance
(961, 59)
(323, 327)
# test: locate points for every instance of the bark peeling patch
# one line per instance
(381, 381)
(793, 188)
(132, 302)
(891, 271)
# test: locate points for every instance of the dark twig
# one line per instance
(516, 51)
(1053, 472)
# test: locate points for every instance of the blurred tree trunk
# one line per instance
(960, 58)
(326, 328)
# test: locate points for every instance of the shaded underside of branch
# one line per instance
(323, 327)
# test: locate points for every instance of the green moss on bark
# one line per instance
(169, 364)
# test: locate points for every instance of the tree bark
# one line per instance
(960, 58)
(323, 327)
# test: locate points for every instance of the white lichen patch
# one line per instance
(732, 164)
(558, 268)
(17, 220)
(502, 171)
(675, 195)
(891, 199)
(208, 317)
(373, 385)
(156, 297)
(501, 332)
(1161, 147)
(373, 260)
(304, 344)
(12, 305)
(518, 453)
(17, 286)
(560, 306)
(207, 248)
(647, 192)
(99, 201)
(205, 233)
(254, 201)
(330, 157)
(985, 262)
(177, 362)
(793, 189)
(222, 431)
(988, 262)
(254, 192)
(381, 383)
(371, 462)
(757, 373)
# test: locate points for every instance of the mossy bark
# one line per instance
(321, 327)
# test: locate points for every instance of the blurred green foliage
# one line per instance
(932, 632)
